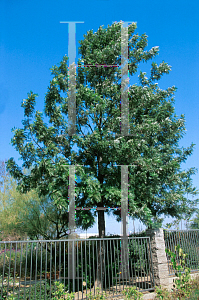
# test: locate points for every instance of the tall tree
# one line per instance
(156, 182)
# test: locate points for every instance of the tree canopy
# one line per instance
(157, 184)
(194, 223)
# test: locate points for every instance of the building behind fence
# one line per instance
(144, 265)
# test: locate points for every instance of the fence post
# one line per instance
(160, 265)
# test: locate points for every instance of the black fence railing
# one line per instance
(189, 242)
(30, 268)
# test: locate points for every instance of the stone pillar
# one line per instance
(160, 266)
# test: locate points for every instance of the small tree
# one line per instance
(28, 215)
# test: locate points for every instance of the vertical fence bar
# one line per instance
(111, 264)
(20, 261)
(78, 267)
(2, 282)
(104, 267)
(4, 264)
(59, 261)
(101, 263)
(30, 269)
(97, 273)
(137, 262)
(146, 259)
(93, 262)
(68, 269)
(82, 266)
(184, 245)
(55, 259)
(140, 257)
(191, 262)
(195, 256)
(128, 258)
(146, 271)
(131, 264)
(190, 258)
(115, 259)
(36, 271)
(50, 265)
(104, 254)
(15, 266)
(152, 272)
(9, 265)
(74, 264)
(41, 254)
(64, 265)
(86, 266)
(118, 256)
(89, 256)
(108, 265)
(45, 266)
(139, 242)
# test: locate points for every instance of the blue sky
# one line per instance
(32, 40)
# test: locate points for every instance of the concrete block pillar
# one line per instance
(160, 266)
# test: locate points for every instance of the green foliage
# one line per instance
(60, 292)
(156, 183)
(183, 278)
(163, 294)
(29, 291)
(38, 292)
(195, 221)
(132, 293)
(98, 296)
(30, 215)
(182, 285)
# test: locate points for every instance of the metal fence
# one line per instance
(29, 268)
(189, 242)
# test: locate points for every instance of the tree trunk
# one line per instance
(99, 274)
(101, 223)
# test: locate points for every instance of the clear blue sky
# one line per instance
(32, 40)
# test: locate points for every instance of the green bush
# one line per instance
(29, 292)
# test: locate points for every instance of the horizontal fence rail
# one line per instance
(29, 268)
(189, 242)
